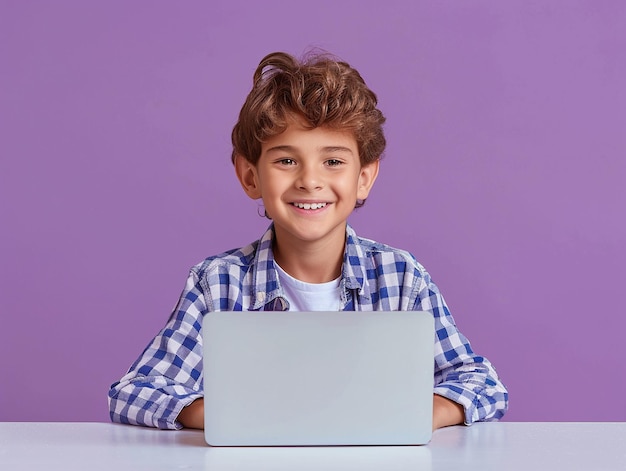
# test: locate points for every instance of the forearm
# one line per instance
(168, 374)
(462, 376)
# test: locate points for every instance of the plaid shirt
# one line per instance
(168, 374)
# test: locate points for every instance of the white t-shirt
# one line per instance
(304, 296)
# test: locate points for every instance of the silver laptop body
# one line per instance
(318, 378)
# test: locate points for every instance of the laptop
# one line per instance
(318, 378)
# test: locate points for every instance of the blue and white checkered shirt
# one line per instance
(375, 277)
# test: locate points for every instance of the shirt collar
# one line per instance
(354, 272)
(265, 286)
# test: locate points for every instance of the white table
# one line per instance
(484, 446)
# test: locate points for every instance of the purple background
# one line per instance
(504, 175)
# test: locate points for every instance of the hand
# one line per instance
(192, 416)
(446, 412)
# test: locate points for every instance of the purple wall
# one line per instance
(504, 175)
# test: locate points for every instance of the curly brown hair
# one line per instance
(321, 90)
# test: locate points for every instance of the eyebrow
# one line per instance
(327, 149)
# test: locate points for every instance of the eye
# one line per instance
(286, 161)
(333, 162)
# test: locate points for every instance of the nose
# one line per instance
(309, 179)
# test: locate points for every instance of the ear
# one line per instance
(248, 177)
(367, 177)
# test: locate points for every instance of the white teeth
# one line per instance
(309, 205)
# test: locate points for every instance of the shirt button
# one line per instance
(260, 296)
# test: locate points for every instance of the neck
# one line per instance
(316, 262)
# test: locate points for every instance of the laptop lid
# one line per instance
(318, 378)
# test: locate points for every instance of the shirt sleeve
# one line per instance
(168, 374)
(461, 375)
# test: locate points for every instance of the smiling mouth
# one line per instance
(309, 205)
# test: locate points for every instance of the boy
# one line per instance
(308, 143)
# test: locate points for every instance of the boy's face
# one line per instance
(309, 180)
